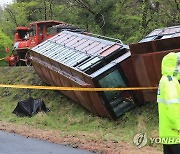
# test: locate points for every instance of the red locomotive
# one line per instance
(27, 37)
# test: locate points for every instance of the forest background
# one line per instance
(128, 20)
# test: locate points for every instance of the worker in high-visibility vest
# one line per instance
(168, 99)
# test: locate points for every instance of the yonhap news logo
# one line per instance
(140, 140)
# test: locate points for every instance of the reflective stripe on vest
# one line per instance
(167, 102)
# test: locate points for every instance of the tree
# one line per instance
(4, 42)
(93, 13)
(129, 20)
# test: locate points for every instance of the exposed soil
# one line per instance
(105, 147)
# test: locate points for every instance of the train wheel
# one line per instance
(28, 59)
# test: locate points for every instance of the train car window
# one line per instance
(40, 30)
(32, 31)
(89, 63)
(22, 34)
(112, 80)
(51, 30)
(48, 31)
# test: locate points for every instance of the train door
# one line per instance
(117, 102)
(32, 36)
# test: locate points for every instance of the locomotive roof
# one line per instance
(21, 28)
(47, 21)
(80, 51)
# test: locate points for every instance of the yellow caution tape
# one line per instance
(76, 88)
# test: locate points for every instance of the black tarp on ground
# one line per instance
(29, 107)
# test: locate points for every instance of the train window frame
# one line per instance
(32, 31)
(107, 72)
(40, 30)
(112, 75)
(102, 95)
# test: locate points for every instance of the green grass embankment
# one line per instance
(67, 116)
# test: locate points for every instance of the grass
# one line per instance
(67, 116)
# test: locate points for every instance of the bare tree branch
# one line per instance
(50, 9)
(45, 10)
(81, 4)
(12, 15)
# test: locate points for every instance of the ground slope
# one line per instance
(69, 123)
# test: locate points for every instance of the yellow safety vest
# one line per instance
(168, 99)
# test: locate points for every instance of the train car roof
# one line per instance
(79, 51)
(162, 33)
